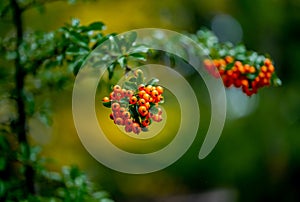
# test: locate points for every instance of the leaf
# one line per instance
(140, 78)
(107, 104)
(130, 39)
(130, 85)
(122, 61)
(138, 56)
(153, 81)
(110, 69)
(139, 49)
(98, 26)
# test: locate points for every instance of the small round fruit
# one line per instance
(105, 99)
(143, 110)
(141, 102)
(148, 89)
(159, 89)
(136, 128)
(125, 115)
(128, 122)
(115, 106)
(133, 100)
(141, 93)
(119, 121)
(146, 97)
(146, 122)
(154, 93)
(122, 110)
(128, 128)
(117, 88)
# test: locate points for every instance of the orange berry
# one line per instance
(229, 72)
(146, 97)
(105, 99)
(133, 100)
(154, 94)
(160, 89)
(245, 82)
(238, 64)
(228, 59)
(141, 102)
(141, 93)
(143, 110)
(271, 68)
(216, 63)
(252, 70)
(261, 75)
(267, 62)
(115, 106)
(148, 89)
(264, 68)
(268, 75)
(159, 98)
(247, 67)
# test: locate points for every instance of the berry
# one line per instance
(159, 89)
(133, 100)
(115, 106)
(105, 99)
(143, 110)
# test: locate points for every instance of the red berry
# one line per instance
(133, 100)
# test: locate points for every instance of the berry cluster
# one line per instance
(135, 108)
(233, 72)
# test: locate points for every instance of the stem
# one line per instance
(19, 93)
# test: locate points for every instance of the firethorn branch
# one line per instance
(135, 104)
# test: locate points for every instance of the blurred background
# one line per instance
(258, 155)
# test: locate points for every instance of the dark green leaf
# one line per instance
(97, 26)
(107, 104)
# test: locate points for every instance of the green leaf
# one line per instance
(110, 69)
(122, 61)
(153, 81)
(139, 49)
(97, 26)
(138, 56)
(130, 85)
(107, 104)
